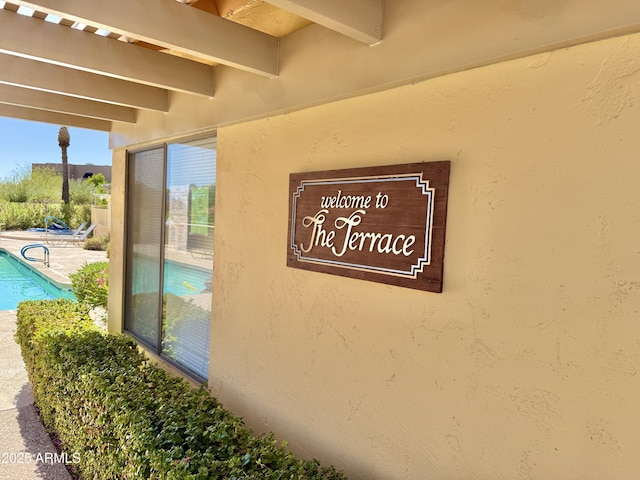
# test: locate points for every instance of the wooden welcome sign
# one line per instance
(382, 224)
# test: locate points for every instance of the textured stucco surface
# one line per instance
(421, 39)
(526, 365)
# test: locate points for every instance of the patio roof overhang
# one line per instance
(90, 64)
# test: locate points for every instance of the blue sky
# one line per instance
(23, 143)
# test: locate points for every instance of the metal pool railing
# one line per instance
(45, 260)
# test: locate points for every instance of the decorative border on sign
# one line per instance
(416, 268)
(383, 224)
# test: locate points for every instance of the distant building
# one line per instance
(77, 171)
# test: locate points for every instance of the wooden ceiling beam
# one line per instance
(177, 27)
(35, 115)
(358, 19)
(23, 72)
(27, 97)
(47, 42)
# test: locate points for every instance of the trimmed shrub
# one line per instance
(20, 216)
(90, 284)
(80, 213)
(125, 418)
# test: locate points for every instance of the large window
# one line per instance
(170, 227)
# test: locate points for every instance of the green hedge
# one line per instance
(21, 216)
(127, 419)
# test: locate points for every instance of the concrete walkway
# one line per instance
(26, 451)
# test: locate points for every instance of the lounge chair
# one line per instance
(79, 229)
(53, 225)
(47, 237)
(75, 239)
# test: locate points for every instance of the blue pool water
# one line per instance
(18, 282)
(179, 278)
(183, 279)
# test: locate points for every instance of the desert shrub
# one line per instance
(96, 243)
(90, 284)
(29, 196)
(40, 185)
(44, 185)
(81, 192)
(98, 181)
(125, 418)
(14, 192)
(21, 216)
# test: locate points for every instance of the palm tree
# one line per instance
(64, 141)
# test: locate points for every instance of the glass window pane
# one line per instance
(144, 227)
(188, 262)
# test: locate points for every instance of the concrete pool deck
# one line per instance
(62, 260)
(26, 451)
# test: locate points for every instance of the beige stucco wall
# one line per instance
(526, 365)
(421, 39)
(117, 241)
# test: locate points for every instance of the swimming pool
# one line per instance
(18, 282)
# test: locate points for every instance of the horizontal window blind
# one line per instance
(171, 224)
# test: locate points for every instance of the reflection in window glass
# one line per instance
(170, 250)
(191, 179)
(144, 244)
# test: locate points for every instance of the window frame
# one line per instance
(155, 351)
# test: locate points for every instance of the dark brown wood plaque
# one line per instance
(382, 224)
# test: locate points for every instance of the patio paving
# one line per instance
(26, 451)
(63, 260)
